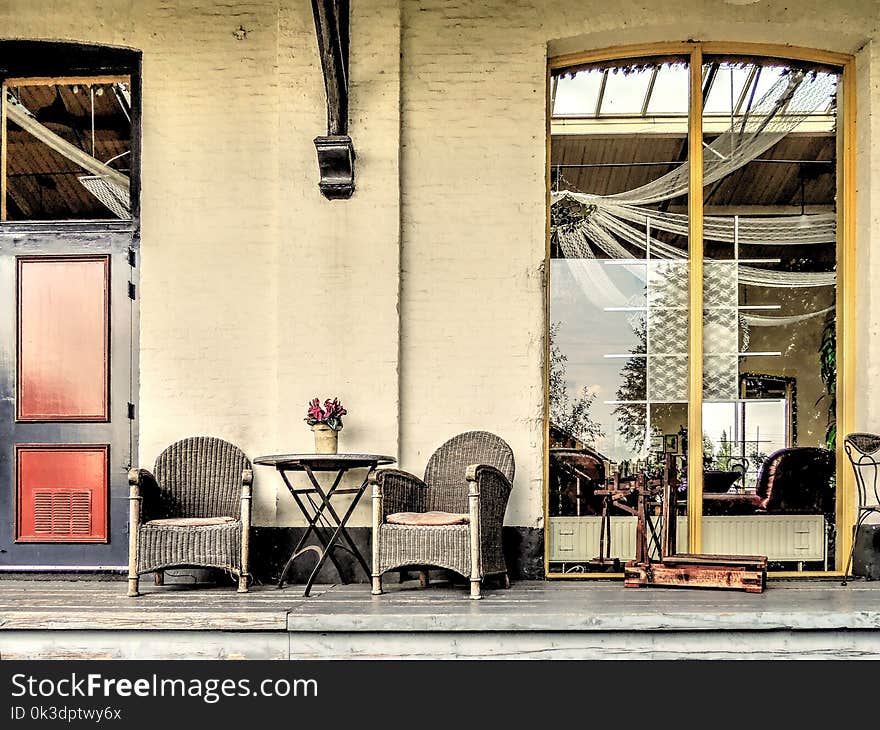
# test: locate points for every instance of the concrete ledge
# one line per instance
(588, 645)
(67, 645)
(549, 607)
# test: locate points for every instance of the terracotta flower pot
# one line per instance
(326, 439)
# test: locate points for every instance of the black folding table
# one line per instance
(315, 504)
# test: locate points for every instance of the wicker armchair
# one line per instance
(193, 510)
(452, 518)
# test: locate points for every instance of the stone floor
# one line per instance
(578, 619)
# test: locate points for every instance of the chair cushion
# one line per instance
(427, 519)
(191, 521)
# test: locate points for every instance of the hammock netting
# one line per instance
(586, 226)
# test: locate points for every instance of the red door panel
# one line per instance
(61, 493)
(63, 338)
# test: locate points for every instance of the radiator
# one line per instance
(577, 538)
(779, 537)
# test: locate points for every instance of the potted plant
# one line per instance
(326, 424)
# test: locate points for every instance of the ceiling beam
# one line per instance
(756, 210)
(815, 125)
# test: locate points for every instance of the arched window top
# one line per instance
(65, 58)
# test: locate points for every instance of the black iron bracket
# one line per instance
(335, 149)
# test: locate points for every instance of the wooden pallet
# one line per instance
(736, 572)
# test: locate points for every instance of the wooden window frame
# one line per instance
(845, 256)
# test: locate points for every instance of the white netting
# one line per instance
(763, 320)
(817, 228)
(112, 196)
(796, 95)
(609, 221)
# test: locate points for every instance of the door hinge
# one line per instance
(131, 290)
(132, 257)
(131, 411)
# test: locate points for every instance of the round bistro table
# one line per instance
(315, 504)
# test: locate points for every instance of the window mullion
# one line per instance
(695, 314)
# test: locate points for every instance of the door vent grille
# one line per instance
(62, 512)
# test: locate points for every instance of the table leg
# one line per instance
(312, 523)
(339, 530)
(319, 510)
(353, 547)
(326, 505)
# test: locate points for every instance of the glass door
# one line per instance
(769, 312)
(619, 290)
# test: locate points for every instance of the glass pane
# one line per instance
(625, 91)
(618, 321)
(666, 96)
(765, 79)
(768, 299)
(577, 94)
(726, 89)
(68, 150)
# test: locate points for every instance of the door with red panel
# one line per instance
(67, 426)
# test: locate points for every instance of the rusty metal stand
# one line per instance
(739, 572)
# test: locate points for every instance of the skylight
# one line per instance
(577, 95)
(727, 89)
(625, 93)
(670, 92)
(662, 90)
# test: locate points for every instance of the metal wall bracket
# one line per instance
(336, 165)
(335, 149)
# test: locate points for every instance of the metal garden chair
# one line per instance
(863, 450)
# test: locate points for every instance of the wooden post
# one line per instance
(474, 510)
(377, 522)
(3, 143)
(134, 519)
(605, 527)
(641, 525)
(247, 480)
(670, 508)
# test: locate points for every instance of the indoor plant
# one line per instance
(326, 424)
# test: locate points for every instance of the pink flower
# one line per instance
(331, 414)
(315, 410)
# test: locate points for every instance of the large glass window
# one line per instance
(621, 311)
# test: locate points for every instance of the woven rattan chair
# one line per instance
(863, 450)
(450, 519)
(193, 510)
